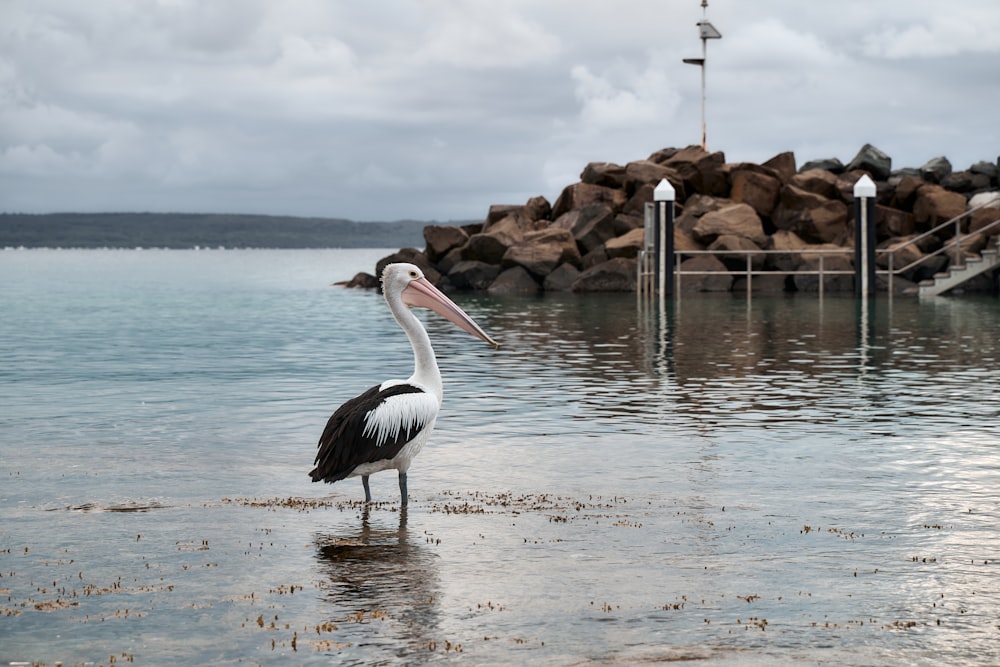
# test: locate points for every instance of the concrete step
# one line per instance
(956, 275)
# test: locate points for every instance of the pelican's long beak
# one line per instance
(423, 294)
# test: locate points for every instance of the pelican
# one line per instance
(385, 427)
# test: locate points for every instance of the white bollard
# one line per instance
(864, 237)
(663, 197)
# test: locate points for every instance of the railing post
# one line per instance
(892, 270)
(822, 277)
(864, 237)
(959, 259)
(663, 198)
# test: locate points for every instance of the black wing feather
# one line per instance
(344, 446)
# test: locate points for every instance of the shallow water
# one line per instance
(784, 480)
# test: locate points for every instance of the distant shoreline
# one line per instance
(178, 231)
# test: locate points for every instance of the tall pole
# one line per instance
(704, 60)
(706, 31)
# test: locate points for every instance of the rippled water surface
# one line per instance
(785, 480)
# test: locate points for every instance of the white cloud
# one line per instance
(468, 35)
(949, 34)
(771, 44)
(623, 98)
(314, 56)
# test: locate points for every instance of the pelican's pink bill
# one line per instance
(423, 294)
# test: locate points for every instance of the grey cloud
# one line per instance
(438, 108)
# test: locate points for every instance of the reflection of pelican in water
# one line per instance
(383, 580)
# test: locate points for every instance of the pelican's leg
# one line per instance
(368, 492)
(402, 489)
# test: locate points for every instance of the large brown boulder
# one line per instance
(627, 246)
(701, 171)
(580, 195)
(541, 252)
(596, 256)
(591, 225)
(893, 222)
(818, 181)
(831, 164)
(983, 217)
(965, 181)
(440, 239)
(473, 275)
(813, 217)
(735, 220)
(488, 248)
(936, 169)
(527, 215)
(757, 188)
(562, 279)
(872, 160)
(792, 244)
(511, 228)
(605, 174)
(903, 253)
(843, 281)
(684, 241)
(712, 275)
(784, 164)
(697, 206)
(626, 223)
(614, 275)
(647, 172)
(515, 281)
(935, 205)
(987, 169)
(664, 154)
(740, 248)
(445, 264)
(360, 280)
(906, 192)
(537, 208)
(980, 219)
(636, 203)
(499, 212)
(827, 224)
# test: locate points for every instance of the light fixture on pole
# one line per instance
(706, 31)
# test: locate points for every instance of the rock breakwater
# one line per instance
(588, 239)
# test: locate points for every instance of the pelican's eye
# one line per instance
(414, 275)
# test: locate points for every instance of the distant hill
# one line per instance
(187, 230)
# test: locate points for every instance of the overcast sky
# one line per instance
(435, 109)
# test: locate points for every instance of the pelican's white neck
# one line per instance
(425, 367)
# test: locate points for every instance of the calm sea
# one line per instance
(778, 481)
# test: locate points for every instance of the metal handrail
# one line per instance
(749, 272)
(956, 240)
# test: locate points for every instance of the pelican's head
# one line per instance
(406, 283)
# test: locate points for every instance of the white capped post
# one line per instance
(864, 237)
(663, 197)
(865, 187)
